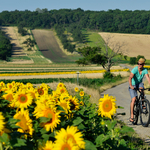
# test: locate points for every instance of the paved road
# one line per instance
(123, 99)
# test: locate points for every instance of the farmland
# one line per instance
(49, 47)
(134, 44)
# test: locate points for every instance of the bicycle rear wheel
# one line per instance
(135, 113)
(145, 113)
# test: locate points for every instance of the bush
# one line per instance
(140, 56)
(133, 60)
(108, 75)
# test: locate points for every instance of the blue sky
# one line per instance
(94, 5)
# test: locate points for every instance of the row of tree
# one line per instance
(107, 21)
(5, 46)
(64, 40)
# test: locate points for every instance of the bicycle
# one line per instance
(142, 109)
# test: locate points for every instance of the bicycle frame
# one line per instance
(139, 110)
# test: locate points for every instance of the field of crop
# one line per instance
(49, 47)
(134, 44)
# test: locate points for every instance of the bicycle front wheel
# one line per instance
(145, 113)
(135, 113)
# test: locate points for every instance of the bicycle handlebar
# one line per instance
(142, 89)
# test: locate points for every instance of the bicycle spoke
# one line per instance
(145, 113)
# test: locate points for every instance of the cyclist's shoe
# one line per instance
(131, 120)
(143, 107)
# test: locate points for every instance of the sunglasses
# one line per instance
(140, 64)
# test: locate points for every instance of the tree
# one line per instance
(91, 55)
(104, 57)
(30, 43)
(110, 51)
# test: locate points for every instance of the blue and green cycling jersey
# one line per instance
(137, 78)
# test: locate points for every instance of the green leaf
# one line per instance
(111, 124)
(43, 131)
(126, 129)
(44, 119)
(101, 138)
(123, 142)
(91, 116)
(81, 111)
(4, 138)
(89, 145)
(12, 123)
(45, 137)
(81, 126)
(60, 108)
(20, 142)
(77, 121)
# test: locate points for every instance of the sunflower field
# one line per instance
(39, 118)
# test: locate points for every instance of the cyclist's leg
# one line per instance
(131, 108)
(141, 86)
(133, 94)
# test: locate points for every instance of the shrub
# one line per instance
(108, 75)
(133, 60)
(140, 56)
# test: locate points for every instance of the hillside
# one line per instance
(134, 44)
(49, 47)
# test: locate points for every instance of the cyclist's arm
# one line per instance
(130, 80)
(148, 78)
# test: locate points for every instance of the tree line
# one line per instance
(5, 46)
(137, 21)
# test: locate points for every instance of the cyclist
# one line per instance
(135, 82)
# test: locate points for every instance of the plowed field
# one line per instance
(49, 47)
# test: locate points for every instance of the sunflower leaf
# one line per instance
(89, 145)
(111, 124)
(101, 138)
(60, 108)
(44, 119)
(19, 142)
(4, 138)
(126, 129)
(45, 137)
(77, 121)
(81, 127)
(43, 131)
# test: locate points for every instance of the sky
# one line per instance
(93, 5)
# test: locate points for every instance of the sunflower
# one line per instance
(76, 89)
(2, 123)
(74, 103)
(42, 91)
(71, 133)
(107, 106)
(2, 84)
(60, 85)
(48, 112)
(33, 92)
(8, 95)
(62, 145)
(29, 85)
(81, 93)
(22, 99)
(55, 96)
(25, 122)
(64, 104)
(49, 145)
(61, 90)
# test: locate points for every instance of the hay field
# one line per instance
(134, 44)
(49, 47)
